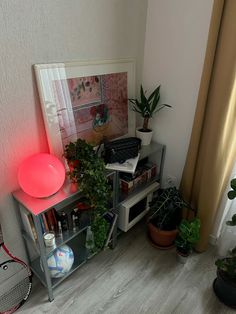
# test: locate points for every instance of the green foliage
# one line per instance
(147, 106)
(165, 209)
(189, 234)
(232, 193)
(88, 170)
(100, 229)
(228, 264)
(232, 222)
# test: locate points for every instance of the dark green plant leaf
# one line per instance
(233, 184)
(231, 194)
(146, 107)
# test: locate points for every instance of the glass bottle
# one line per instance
(89, 244)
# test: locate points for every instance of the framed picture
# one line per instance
(87, 100)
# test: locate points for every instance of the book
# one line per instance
(32, 227)
(128, 166)
(45, 223)
(26, 223)
(51, 219)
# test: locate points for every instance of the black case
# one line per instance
(121, 150)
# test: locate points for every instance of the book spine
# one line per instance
(42, 224)
(46, 228)
(33, 227)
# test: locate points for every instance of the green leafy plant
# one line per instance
(165, 209)
(88, 170)
(188, 236)
(228, 264)
(232, 193)
(147, 106)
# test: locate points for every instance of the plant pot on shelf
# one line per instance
(162, 239)
(145, 136)
(225, 289)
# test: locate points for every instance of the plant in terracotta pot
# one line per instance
(147, 107)
(88, 170)
(225, 284)
(188, 236)
(165, 216)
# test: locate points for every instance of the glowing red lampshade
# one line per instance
(41, 175)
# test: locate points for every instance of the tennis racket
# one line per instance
(15, 280)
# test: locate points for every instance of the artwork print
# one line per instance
(96, 107)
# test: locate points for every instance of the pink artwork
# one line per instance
(84, 90)
(96, 107)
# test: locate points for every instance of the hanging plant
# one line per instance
(89, 172)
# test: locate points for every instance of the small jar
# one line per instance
(49, 238)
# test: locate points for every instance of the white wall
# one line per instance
(176, 37)
(45, 31)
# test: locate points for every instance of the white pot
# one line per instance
(145, 137)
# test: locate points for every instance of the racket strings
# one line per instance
(12, 268)
(15, 295)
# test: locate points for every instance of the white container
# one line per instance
(49, 239)
(145, 137)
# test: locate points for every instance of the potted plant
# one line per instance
(225, 284)
(188, 236)
(147, 107)
(165, 216)
(88, 170)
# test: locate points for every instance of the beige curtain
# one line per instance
(212, 148)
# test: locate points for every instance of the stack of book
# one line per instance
(143, 174)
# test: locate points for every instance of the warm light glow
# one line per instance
(41, 175)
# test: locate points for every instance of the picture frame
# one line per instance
(77, 101)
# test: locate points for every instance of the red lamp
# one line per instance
(41, 175)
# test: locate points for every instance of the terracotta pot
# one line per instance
(225, 289)
(161, 238)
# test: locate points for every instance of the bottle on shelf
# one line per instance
(59, 229)
(89, 243)
(74, 218)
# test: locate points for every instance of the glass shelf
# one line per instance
(81, 254)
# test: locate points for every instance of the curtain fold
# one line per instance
(212, 148)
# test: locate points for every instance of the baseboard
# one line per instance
(212, 240)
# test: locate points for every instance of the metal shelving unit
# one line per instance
(66, 198)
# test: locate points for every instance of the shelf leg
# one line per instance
(43, 257)
(115, 205)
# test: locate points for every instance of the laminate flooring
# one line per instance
(134, 278)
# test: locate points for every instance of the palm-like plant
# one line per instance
(147, 106)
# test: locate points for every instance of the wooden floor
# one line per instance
(134, 278)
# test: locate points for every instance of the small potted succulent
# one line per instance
(188, 236)
(147, 107)
(165, 216)
(225, 284)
